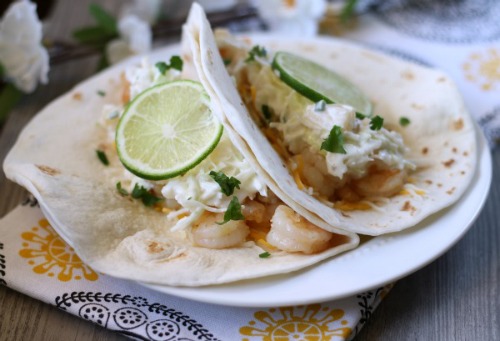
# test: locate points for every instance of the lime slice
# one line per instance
(167, 130)
(317, 83)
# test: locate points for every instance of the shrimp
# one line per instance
(380, 183)
(254, 211)
(292, 233)
(315, 174)
(207, 233)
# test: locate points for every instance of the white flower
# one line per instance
(135, 38)
(147, 10)
(24, 59)
(293, 17)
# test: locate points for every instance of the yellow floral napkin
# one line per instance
(34, 260)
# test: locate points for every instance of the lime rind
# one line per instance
(137, 145)
(306, 77)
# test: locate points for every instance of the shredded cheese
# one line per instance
(352, 206)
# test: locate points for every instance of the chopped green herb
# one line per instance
(227, 185)
(233, 211)
(258, 51)
(101, 93)
(320, 106)
(148, 198)
(360, 116)
(175, 63)
(264, 255)
(376, 123)
(227, 61)
(120, 189)
(267, 112)
(404, 121)
(162, 67)
(102, 157)
(334, 143)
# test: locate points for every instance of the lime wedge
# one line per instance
(167, 130)
(317, 83)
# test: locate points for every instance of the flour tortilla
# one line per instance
(54, 158)
(441, 136)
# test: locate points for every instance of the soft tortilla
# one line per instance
(441, 135)
(54, 158)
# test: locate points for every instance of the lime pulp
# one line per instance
(167, 130)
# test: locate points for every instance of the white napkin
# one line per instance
(34, 260)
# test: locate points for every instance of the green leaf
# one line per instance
(120, 189)
(92, 35)
(258, 51)
(147, 198)
(176, 63)
(376, 123)
(2, 71)
(162, 67)
(102, 157)
(264, 255)
(334, 143)
(404, 121)
(104, 19)
(360, 116)
(233, 211)
(348, 10)
(227, 185)
(9, 96)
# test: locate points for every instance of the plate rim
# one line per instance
(481, 185)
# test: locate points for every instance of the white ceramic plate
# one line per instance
(379, 261)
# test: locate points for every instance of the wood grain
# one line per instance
(455, 298)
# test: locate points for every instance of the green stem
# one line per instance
(9, 96)
(348, 11)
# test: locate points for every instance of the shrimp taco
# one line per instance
(369, 143)
(137, 170)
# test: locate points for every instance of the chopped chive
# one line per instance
(101, 93)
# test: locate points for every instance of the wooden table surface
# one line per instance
(457, 297)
